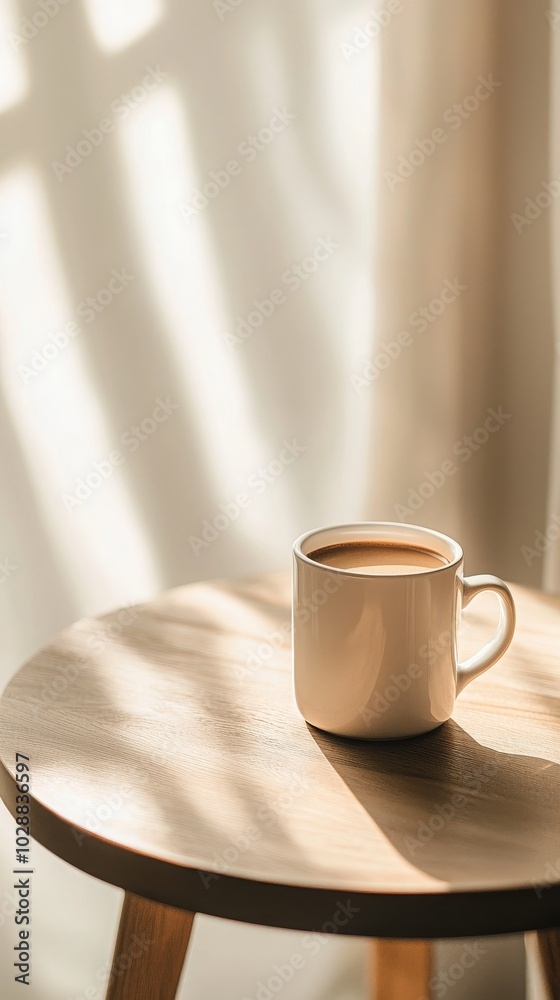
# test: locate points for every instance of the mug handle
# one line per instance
(487, 656)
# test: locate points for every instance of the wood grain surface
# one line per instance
(168, 757)
(149, 952)
(401, 970)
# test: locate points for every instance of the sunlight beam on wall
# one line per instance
(14, 81)
(187, 285)
(118, 23)
(60, 422)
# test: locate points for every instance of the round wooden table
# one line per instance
(166, 756)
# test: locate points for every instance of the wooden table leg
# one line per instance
(549, 952)
(150, 951)
(401, 969)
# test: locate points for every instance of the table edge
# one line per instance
(418, 915)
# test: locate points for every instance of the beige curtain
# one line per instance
(552, 556)
(464, 398)
(452, 209)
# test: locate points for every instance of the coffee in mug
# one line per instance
(377, 558)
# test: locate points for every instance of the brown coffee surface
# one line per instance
(378, 558)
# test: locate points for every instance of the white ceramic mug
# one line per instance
(375, 657)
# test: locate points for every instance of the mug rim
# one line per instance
(400, 525)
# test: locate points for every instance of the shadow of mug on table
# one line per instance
(455, 809)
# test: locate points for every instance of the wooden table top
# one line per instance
(167, 756)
